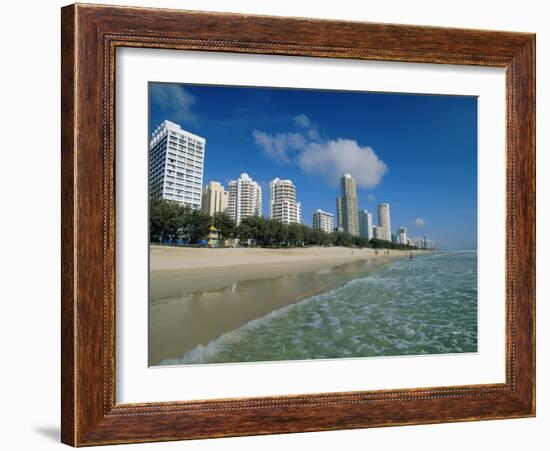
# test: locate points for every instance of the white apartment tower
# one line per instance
(282, 202)
(215, 199)
(348, 205)
(324, 221)
(402, 235)
(384, 221)
(365, 224)
(245, 198)
(176, 165)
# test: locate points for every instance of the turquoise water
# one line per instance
(427, 305)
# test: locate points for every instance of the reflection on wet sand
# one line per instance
(178, 324)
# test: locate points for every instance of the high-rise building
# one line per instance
(402, 235)
(282, 202)
(339, 215)
(377, 232)
(215, 198)
(384, 221)
(176, 164)
(323, 220)
(245, 198)
(348, 196)
(365, 224)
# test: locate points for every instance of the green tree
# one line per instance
(255, 229)
(295, 235)
(167, 220)
(360, 242)
(342, 239)
(198, 225)
(225, 225)
(276, 232)
(244, 233)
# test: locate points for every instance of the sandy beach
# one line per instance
(180, 271)
(196, 295)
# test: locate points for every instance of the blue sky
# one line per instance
(416, 152)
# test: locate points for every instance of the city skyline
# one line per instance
(169, 137)
(267, 151)
(283, 204)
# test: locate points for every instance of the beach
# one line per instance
(198, 294)
(179, 271)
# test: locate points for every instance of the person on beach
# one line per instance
(411, 255)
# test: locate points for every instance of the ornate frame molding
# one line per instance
(90, 37)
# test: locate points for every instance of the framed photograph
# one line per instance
(278, 225)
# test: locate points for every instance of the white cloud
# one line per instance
(279, 146)
(174, 101)
(310, 128)
(313, 133)
(327, 158)
(302, 120)
(371, 197)
(419, 222)
(333, 158)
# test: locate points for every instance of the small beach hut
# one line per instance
(213, 237)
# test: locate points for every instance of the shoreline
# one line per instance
(193, 302)
(176, 271)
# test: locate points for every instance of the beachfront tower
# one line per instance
(365, 224)
(323, 220)
(176, 165)
(215, 198)
(402, 235)
(282, 202)
(384, 221)
(245, 198)
(349, 210)
(339, 219)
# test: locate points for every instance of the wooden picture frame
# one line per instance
(90, 35)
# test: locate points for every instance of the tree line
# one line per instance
(170, 221)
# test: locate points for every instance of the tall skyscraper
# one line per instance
(365, 224)
(245, 198)
(348, 196)
(376, 232)
(402, 235)
(282, 202)
(176, 165)
(339, 215)
(323, 220)
(384, 221)
(215, 198)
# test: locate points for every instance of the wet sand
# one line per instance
(196, 295)
(179, 271)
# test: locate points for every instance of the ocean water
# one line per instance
(427, 305)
